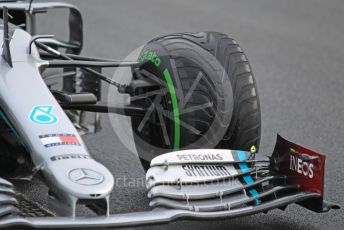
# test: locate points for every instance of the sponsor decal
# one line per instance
(69, 156)
(43, 115)
(150, 56)
(205, 170)
(84, 176)
(301, 167)
(51, 140)
(199, 157)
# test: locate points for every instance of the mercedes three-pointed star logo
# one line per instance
(85, 176)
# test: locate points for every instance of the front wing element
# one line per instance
(211, 180)
(157, 216)
(205, 185)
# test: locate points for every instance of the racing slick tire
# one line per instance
(212, 99)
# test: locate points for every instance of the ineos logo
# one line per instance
(301, 167)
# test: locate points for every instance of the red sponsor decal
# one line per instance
(301, 165)
(51, 140)
(69, 139)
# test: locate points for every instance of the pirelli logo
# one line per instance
(70, 156)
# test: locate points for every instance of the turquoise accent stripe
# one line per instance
(247, 178)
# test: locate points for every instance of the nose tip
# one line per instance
(80, 178)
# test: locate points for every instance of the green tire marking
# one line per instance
(175, 108)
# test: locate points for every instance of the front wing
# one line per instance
(205, 185)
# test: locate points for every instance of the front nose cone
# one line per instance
(80, 178)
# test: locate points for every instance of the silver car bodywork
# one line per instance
(22, 89)
(191, 184)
